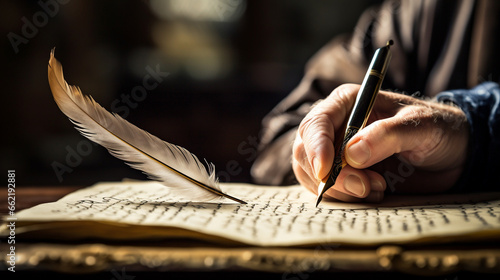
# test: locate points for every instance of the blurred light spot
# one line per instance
(199, 10)
(205, 64)
(196, 49)
(140, 58)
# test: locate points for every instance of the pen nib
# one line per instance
(321, 190)
(318, 200)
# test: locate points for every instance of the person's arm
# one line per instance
(409, 145)
(343, 60)
(429, 38)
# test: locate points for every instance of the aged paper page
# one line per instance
(274, 216)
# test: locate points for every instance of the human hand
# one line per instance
(409, 145)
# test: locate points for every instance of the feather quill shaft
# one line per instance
(170, 164)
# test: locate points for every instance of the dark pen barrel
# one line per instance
(370, 87)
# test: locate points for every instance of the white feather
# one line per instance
(172, 165)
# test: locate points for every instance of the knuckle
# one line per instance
(345, 93)
(315, 126)
(386, 128)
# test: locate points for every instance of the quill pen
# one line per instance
(170, 164)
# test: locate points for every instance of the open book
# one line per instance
(274, 216)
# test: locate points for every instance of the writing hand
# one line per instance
(409, 145)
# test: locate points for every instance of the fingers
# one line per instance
(373, 144)
(412, 128)
(415, 131)
(431, 137)
(304, 179)
(357, 183)
(313, 151)
(301, 160)
(317, 131)
(352, 185)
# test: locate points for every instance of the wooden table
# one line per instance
(174, 260)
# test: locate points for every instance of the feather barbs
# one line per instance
(172, 165)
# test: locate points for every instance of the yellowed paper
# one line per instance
(274, 216)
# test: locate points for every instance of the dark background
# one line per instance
(229, 63)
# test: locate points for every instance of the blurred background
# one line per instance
(218, 66)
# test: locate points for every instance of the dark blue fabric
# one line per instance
(481, 106)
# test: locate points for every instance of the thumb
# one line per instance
(382, 139)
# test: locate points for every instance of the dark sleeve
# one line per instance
(481, 106)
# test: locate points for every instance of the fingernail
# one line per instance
(354, 185)
(315, 166)
(359, 152)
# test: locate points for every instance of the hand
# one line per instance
(409, 146)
